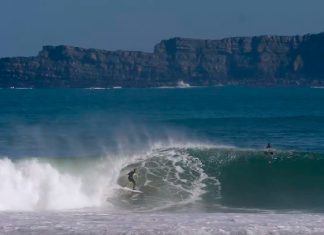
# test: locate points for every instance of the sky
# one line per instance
(27, 25)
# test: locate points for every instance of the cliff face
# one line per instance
(264, 60)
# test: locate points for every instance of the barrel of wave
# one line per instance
(168, 177)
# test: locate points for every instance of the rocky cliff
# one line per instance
(263, 60)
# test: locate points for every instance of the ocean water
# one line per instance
(200, 155)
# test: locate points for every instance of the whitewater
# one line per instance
(167, 176)
(199, 152)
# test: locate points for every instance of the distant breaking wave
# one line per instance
(182, 84)
(97, 88)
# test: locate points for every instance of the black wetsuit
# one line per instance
(131, 179)
(269, 151)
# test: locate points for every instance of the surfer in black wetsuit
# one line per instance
(269, 151)
(131, 178)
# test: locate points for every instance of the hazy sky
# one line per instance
(27, 25)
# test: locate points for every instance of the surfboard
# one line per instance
(130, 190)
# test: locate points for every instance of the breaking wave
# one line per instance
(167, 177)
(171, 178)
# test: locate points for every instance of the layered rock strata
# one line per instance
(262, 60)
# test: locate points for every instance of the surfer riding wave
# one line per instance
(131, 177)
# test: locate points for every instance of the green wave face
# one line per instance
(257, 179)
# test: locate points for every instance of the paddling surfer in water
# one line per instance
(131, 178)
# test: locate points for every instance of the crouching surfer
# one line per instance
(131, 178)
